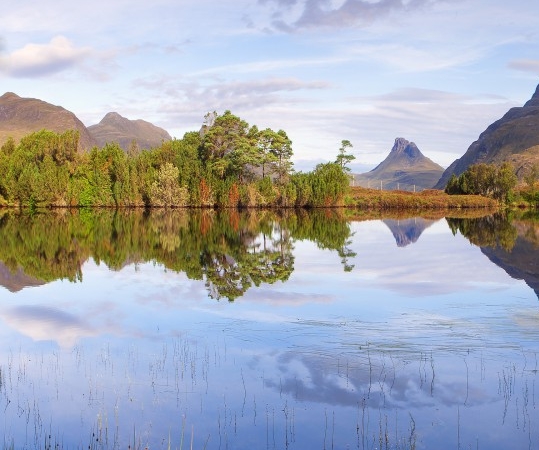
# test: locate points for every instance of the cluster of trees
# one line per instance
(488, 180)
(227, 163)
(229, 250)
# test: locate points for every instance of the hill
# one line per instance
(405, 168)
(513, 138)
(115, 128)
(22, 116)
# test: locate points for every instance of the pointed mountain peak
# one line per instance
(399, 145)
(404, 168)
(405, 148)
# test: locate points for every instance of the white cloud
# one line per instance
(43, 323)
(36, 60)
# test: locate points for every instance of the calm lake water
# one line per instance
(268, 330)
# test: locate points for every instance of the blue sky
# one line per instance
(436, 72)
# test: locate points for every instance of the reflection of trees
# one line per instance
(230, 250)
(46, 246)
(511, 242)
(489, 231)
(328, 228)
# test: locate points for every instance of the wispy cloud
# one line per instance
(186, 100)
(525, 65)
(325, 14)
(36, 60)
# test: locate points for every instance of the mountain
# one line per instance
(513, 138)
(407, 231)
(405, 168)
(115, 128)
(22, 116)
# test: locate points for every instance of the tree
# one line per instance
(344, 158)
(226, 133)
(166, 191)
(282, 149)
(483, 179)
(268, 140)
(504, 182)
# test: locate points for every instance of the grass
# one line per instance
(431, 199)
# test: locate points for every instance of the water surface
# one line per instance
(268, 330)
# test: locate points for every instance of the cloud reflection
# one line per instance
(371, 379)
(43, 323)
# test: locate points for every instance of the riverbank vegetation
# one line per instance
(372, 199)
(228, 163)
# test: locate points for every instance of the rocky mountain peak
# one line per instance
(404, 168)
(405, 148)
(399, 145)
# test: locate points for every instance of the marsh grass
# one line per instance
(372, 199)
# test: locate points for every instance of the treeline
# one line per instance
(228, 163)
(487, 180)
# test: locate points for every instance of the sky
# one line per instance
(435, 72)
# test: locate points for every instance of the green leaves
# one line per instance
(484, 179)
(344, 158)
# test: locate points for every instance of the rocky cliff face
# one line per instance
(22, 116)
(404, 168)
(513, 138)
(115, 128)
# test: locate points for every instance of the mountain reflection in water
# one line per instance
(112, 336)
(511, 243)
(407, 231)
(231, 251)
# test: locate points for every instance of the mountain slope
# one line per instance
(405, 168)
(115, 128)
(22, 116)
(513, 138)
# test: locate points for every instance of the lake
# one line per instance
(320, 329)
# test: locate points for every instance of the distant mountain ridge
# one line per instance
(405, 168)
(115, 128)
(514, 138)
(20, 117)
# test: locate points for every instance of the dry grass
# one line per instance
(432, 199)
